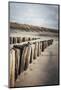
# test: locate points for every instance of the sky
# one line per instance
(34, 14)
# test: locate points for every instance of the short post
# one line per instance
(18, 39)
(14, 40)
(11, 40)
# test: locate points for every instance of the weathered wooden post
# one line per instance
(17, 62)
(32, 38)
(46, 44)
(21, 54)
(42, 45)
(52, 40)
(49, 42)
(38, 53)
(11, 40)
(24, 57)
(25, 49)
(12, 68)
(32, 53)
(23, 39)
(14, 40)
(28, 55)
(29, 39)
(18, 39)
(21, 51)
(35, 51)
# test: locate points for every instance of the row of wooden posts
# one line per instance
(22, 55)
(14, 40)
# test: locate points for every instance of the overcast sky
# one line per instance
(34, 14)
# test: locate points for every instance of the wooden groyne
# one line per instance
(22, 52)
(14, 40)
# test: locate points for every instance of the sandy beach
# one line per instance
(43, 70)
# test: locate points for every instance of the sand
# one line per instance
(43, 70)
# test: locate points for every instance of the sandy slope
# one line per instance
(43, 71)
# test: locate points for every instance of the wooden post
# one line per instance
(23, 53)
(35, 51)
(38, 53)
(11, 40)
(45, 44)
(23, 58)
(23, 39)
(52, 40)
(17, 62)
(18, 39)
(14, 40)
(12, 68)
(19, 58)
(27, 58)
(29, 39)
(42, 45)
(32, 53)
(48, 42)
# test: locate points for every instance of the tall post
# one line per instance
(38, 53)
(42, 45)
(23, 58)
(32, 53)
(12, 68)
(28, 55)
(17, 61)
(35, 51)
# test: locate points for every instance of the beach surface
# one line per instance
(43, 70)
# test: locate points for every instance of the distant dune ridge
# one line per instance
(27, 27)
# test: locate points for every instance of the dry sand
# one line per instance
(43, 70)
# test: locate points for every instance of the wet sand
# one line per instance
(43, 70)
